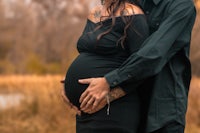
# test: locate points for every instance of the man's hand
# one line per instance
(66, 101)
(97, 90)
(114, 94)
(91, 110)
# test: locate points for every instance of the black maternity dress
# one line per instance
(98, 57)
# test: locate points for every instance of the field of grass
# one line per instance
(43, 111)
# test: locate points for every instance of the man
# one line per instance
(162, 66)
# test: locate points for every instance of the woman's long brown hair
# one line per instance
(112, 9)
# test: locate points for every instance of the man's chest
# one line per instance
(156, 13)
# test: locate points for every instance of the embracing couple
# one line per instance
(132, 74)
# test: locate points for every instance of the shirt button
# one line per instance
(147, 12)
(129, 76)
(157, 24)
(114, 83)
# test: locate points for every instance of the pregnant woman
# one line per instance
(114, 30)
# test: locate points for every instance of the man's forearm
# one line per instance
(116, 93)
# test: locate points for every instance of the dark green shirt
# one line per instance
(163, 60)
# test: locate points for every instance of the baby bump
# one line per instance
(85, 66)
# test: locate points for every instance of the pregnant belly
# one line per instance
(86, 66)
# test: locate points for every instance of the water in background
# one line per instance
(10, 100)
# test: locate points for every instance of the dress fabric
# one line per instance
(97, 58)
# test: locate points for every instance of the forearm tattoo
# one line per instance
(116, 93)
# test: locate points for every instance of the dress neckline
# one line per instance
(109, 19)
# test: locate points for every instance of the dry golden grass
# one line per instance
(42, 110)
(193, 113)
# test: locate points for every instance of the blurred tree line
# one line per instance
(39, 36)
(195, 44)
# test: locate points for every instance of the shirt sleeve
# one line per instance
(159, 47)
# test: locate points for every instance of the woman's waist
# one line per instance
(98, 58)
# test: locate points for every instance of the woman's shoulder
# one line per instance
(96, 8)
(131, 9)
(95, 13)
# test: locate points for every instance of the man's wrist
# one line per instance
(116, 93)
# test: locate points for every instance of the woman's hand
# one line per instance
(97, 90)
(66, 101)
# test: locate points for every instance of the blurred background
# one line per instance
(37, 44)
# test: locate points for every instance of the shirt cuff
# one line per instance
(114, 79)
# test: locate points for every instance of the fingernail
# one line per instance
(79, 113)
